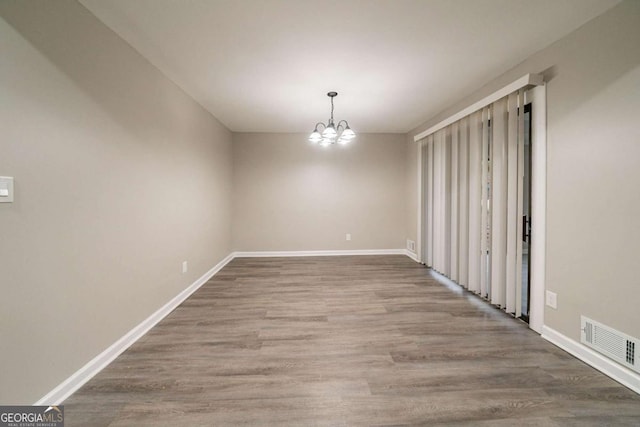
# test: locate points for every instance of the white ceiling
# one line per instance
(266, 65)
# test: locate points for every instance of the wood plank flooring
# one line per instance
(345, 341)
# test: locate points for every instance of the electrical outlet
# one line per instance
(185, 267)
(411, 245)
(348, 237)
(552, 299)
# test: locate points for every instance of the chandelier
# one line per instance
(331, 133)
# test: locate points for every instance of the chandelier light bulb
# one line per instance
(348, 134)
(329, 131)
(315, 137)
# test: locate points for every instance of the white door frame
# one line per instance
(537, 255)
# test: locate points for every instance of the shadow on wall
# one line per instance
(92, 56)
(589, 60)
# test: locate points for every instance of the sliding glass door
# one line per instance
(475, 202)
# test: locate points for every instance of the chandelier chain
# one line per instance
(332, 109)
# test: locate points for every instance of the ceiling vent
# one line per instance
(612, 343)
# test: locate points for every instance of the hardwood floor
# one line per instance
(335, 341)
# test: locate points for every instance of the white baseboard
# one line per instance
(624, 376)
(412, 255)
(276, 254)
(98, 363)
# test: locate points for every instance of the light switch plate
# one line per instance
(6, 187)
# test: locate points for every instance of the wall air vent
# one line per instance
(610, 342)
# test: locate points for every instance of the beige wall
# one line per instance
(119, 177)
(292, 195)
(593, 167)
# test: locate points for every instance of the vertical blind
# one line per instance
(472, 201)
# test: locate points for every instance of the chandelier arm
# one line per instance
(319, 124)
(340, 123)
